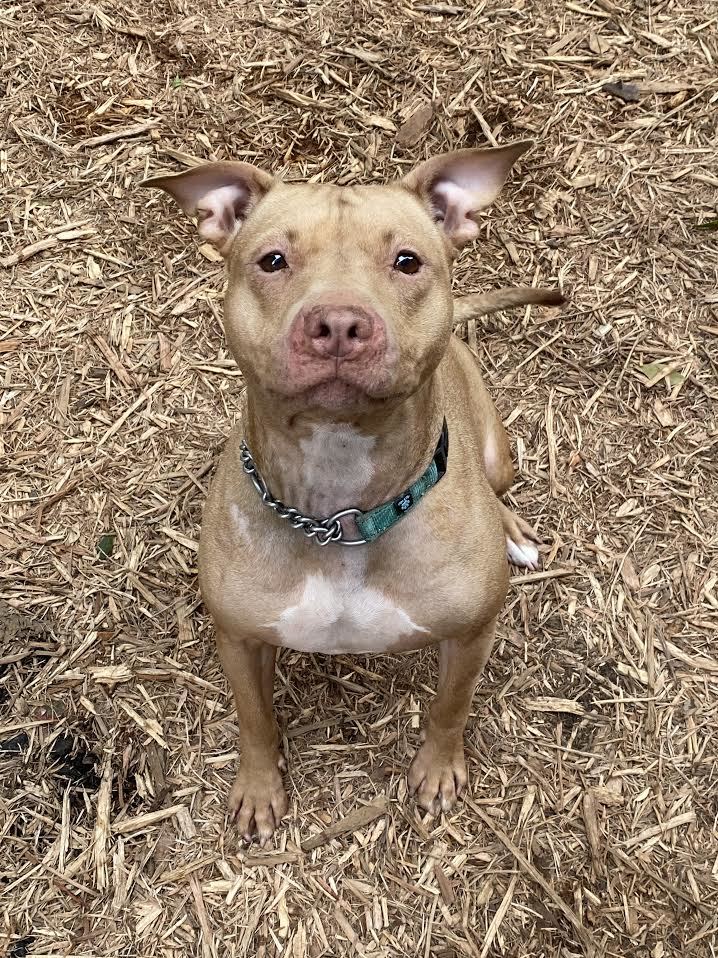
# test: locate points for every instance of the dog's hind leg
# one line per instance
(521, 539)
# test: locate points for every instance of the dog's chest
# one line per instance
(339, 612)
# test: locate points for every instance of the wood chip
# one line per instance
(687, 818)
(547, 703)
(356, 819)
(138, 823)
(123, 134)
(415, 126)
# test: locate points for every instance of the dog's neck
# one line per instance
(320, 464)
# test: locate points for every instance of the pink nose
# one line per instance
(342, 331)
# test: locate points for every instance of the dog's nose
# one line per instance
(341, 331)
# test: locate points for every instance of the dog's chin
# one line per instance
(336, 395)
(340, 396)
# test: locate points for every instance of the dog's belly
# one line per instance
(342, 615)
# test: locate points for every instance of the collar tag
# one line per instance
(404, 502)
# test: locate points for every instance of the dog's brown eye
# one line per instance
(271, 262)
(407, 262)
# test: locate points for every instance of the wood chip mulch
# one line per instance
(590, 827)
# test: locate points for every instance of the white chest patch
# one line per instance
(340, 614)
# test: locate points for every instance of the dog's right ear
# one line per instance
(220, 195)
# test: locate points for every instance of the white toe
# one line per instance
(522, 554)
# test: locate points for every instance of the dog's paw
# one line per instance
(523, 554)
(436, 777)
(522, 541)
(257, 802)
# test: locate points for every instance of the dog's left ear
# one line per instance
(455, 186)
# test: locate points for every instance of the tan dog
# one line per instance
(339, 313)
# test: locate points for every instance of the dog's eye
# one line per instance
(271, 262)
(407, 262)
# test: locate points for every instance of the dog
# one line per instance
(356, 505)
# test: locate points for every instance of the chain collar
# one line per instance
(371, 524)
(323, 531)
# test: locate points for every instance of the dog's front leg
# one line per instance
(438, 772)
(257, 800)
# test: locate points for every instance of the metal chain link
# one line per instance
(323, 531)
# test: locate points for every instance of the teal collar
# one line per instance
(370, 524)
(376, 521)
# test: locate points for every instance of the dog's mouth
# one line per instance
(341, 386)
(335, 382)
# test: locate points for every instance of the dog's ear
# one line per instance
(220, 195)
(455, 186)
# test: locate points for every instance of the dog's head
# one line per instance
(339, 298)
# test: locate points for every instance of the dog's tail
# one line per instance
(481, 304)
